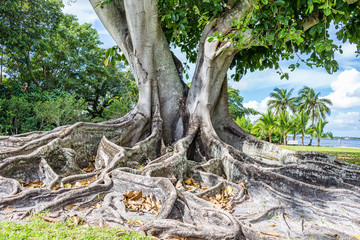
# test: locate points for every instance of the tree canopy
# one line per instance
(268, 32)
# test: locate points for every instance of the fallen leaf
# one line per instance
(70, 206)
(228, 190)
(271, 225)
(179, 185)
(48, 219)
(56, 187)
(242, 185)
(332, 235)
(357, 236)
(34, 184)
(135, 222)
(77, 221)
(190, 181)
(67, 185)
(274, 234)
(137, 196)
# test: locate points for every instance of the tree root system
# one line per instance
(120, 174)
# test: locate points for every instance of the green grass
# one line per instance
(39, 229)
(351, 155)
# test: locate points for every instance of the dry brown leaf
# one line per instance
(274, 234)
(136, 202)
(90, 167)
(242, 184)
(137, 196)
(332, 235)
(56, 187)
(218, 197)
(135, 223)
(190, 181)
(272, 225)
(77, 221)
(48, 219)
(33, 184)
(179, 185)
(70, 206)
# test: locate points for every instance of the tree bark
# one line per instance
(172, 139)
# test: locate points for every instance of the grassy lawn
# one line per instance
(351, 155)
(37, 228)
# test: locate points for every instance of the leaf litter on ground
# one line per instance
(137, 202)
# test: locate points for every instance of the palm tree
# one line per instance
(313, 105)
(318, 131)
(295, 125)
(283, 125)
(282, 100)
(265, 125)
(303, 120)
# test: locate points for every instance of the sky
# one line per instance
(342, 87)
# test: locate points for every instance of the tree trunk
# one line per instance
(174, 134)
(318, 142)
(270, 140)
(302, 140)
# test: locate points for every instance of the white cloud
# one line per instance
(258, 106)
(314, 78)
(346, 90)
(82, 9)
(344, 124)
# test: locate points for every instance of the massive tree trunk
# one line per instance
(256, 190)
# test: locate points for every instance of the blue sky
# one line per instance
(342, 87)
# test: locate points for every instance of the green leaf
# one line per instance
(327, 11)
(280, 2)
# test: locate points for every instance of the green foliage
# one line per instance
(265, 126)
(62, 110)
(318, 131)
(244, 123)
(39, 229)
(26, 25)
(282, 100)
(54, 70)
(302, 124)
(312, 104)
(277, 30)
(236, 108)
(350, 155)
(283, 125)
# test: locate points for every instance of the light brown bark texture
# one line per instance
(240, 187)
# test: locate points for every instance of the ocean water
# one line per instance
(348, 143)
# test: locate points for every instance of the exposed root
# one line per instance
(205, 188)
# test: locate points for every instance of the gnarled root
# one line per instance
(201, 187)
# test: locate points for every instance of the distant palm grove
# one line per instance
(302, 115)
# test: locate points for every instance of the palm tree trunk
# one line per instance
(318, 142)
(312, 124)
(285, 142)
(270, 140)
(302, 140)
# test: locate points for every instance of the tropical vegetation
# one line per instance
(287, 114)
